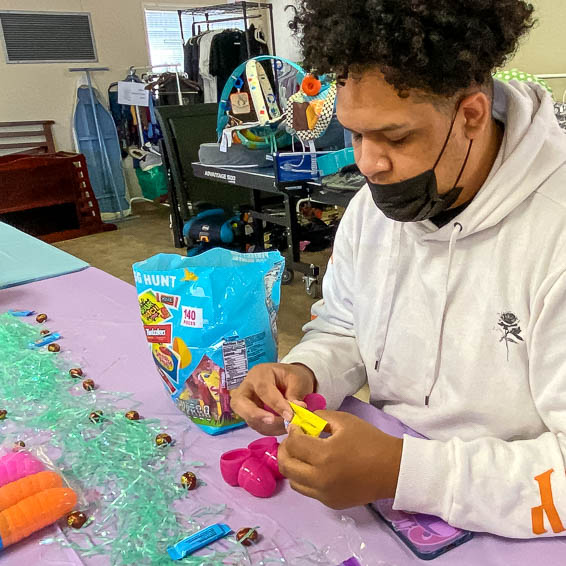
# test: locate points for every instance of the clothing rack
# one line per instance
(208, 22)
(150, 67)
(242, 9)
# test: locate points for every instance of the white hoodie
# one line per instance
(470, 318)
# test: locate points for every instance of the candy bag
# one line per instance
(208, 320)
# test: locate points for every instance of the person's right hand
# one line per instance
(273, 385)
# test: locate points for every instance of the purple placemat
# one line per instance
(98, 317)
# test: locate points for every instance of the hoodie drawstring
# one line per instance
(453, 239)
(389, 292)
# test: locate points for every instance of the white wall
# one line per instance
(45, 91)
(544, 51)
(285, 43)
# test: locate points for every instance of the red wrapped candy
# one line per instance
(76, 519)
(163, 439)
(189, 481)
(88, 385)
(95, 416)
(247, 536)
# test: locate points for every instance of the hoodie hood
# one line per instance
(532, 135)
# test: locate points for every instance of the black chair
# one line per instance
(184, 129)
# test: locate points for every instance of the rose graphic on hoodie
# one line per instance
(510, 328)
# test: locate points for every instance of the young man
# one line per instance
(447, 288)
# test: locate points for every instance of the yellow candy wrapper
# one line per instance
(311, 424)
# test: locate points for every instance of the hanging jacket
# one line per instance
(205, 65)
(192, 58)
(461, 332)
(227, 51)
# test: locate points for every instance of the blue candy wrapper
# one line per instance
(45, 340)
(209, 319)
(199, 540)
(21, 313)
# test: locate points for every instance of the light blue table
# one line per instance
(24, 259)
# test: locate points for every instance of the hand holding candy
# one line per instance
(313, 401)
(273, 385)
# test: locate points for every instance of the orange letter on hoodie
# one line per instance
(547, 506)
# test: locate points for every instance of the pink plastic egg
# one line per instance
(315, 402)
(230, 464)
(256, 478)
(265, 449)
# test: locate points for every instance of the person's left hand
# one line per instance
(356, 465)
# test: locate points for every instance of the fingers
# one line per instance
(301, 447)
(302, 477)
(275, 429)
(262, 387)
(298, 388)
(272, 397)
(263, 422)
(297, 471)
(337, 420)
(293, 468)
(304, 489)
(243, 404)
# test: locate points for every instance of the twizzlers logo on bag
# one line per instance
(158, 333)
(192, 317)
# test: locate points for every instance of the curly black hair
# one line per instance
(438, 47)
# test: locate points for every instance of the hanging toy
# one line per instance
(240, 101)
(262, 92)
(310, 111)
(265, 116)
(311, 85)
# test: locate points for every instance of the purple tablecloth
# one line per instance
(98, 317)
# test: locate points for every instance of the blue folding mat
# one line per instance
(24, 259)
(97, 139)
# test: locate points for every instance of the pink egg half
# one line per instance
(256, 478)
(315, 402)
(231, 462)
(265, 449)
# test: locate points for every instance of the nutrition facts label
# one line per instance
(235, 363)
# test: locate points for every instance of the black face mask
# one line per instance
(417, 198)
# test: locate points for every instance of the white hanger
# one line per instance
(259, 37)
